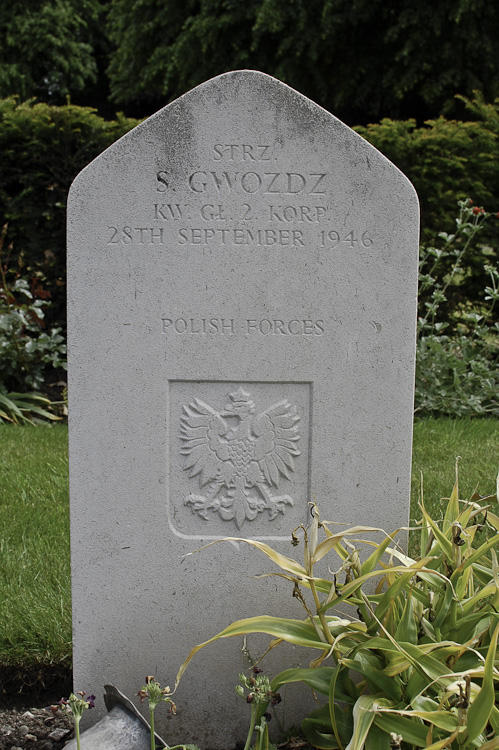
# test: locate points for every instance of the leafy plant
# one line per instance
(411, 663)
(458, 346)
(259, 691)
(20, 408)
(154, 694)
(27, 350)
(75, 706)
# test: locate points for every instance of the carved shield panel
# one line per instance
(239, 458)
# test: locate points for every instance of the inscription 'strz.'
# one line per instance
(239, 457)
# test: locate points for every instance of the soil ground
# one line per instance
(26, 718)
(34, 729)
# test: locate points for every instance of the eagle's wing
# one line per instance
(201, 428)
(277, 436)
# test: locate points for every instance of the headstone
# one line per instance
(242, 305)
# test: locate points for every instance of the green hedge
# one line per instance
(447, 161)
(43, 148)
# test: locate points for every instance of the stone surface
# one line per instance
(242, 306)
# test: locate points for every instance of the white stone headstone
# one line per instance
(242, 280)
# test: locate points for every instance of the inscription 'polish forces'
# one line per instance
(229, 326)
(239, 457)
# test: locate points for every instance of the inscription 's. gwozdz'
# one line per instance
(239, 457)
(268, 183)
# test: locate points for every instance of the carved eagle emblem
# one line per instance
(239, 457)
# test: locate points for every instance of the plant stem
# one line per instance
(151, 722)
(327, 633)
(254, 709)
(77, 731)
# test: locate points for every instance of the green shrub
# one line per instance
(28, 350)
(446, 160)
(457, 371)
(43, 148)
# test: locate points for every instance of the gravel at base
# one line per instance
(35, 728)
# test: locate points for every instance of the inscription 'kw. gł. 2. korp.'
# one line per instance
(239, 457)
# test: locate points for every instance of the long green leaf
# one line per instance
(376, 678)
(318, 739)
(363, 716)
(317, 678)
(445, 742)
(443, 541)
(333, 697)
(350, 588)
(443, 606)
(493, 519)
(470, 626)
(293, 631)
(480, 709)
(443, 719)
(433, 668)
(411, 655)
(376, 556)
(462, 584)
(317, 727)
(491, 744)
(401, 583)
(284, 562)
(400, 662)
(377, 739)
(470, 604)
(412, 731)
(406, 629)
(477, 554)
(494, 720)
(452, 510)
(324, 547)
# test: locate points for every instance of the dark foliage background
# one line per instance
(361, 59)
(43, 148)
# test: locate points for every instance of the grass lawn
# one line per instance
(437, 443)
(35, 622)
